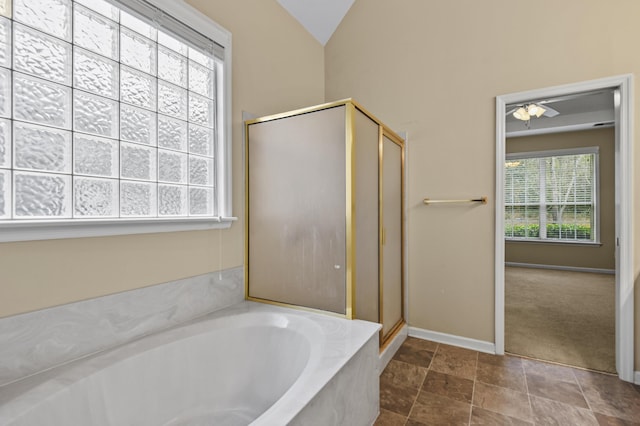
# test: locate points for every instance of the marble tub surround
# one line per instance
(39, 340)
(430, 383)
(249, 363)
(352, 396)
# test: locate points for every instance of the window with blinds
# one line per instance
(108, 110)
(552, 195)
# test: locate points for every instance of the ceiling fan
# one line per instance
(527, 111)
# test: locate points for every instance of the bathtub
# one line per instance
(248, 364)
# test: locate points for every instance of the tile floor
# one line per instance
(427, 383)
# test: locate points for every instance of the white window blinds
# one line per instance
(552, 195)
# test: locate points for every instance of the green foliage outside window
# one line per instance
(551, 197)
(554, 230)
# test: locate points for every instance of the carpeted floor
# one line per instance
(561, 316)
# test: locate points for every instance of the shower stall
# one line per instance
(324, 213)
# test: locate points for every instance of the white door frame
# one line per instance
(624, 175)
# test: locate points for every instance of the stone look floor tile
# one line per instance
(506, 375)
(455, 361)
(508, 360)
(389, 418)
(502, 400)
(402, 373)
(592, 377)
(457, 352)
(483, 417)
(614, 421)
(557, 372)
(413, 353)
(396, 398)
(557, 390)
(548, 412)
(451, 377)
(610, 396)
(432, 409)
(456, 388)
(420, 344)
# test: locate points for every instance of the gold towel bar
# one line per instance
(482, 200)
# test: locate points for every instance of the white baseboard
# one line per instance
(561, 268)
(450, 339)
(637, 378)
(392, 347)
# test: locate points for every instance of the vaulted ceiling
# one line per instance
(319, 17)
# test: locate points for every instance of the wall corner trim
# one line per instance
(451, 339)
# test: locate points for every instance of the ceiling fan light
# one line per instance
(521, 114)
(536, 110)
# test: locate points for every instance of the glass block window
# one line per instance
(108, 110)
(552, 195)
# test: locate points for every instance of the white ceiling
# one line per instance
(319, 17)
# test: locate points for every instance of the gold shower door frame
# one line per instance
(385, 132)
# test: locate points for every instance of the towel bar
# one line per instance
(482, 200)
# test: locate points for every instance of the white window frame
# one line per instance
(596, 203)
(18, 230)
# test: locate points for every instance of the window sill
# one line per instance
(555, 242)
(51, 230)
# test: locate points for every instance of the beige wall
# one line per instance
(433, 69)
(416, 65)
(585, 256)
(277, 66)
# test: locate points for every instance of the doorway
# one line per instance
(623, 200)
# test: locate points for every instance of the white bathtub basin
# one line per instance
(249, 363)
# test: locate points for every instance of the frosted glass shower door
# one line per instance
(296, 203)
(367, 199)
(391, 267)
